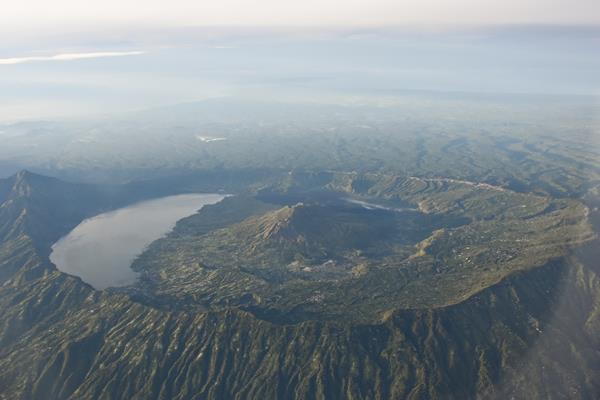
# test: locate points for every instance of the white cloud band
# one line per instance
(67, 57)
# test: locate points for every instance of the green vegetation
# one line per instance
(391, 260)
(341, 261)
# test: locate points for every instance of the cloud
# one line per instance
(68, 57)
(26, 16)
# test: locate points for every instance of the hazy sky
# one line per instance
(71, 57)
(27, 15)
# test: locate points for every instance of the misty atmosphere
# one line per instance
(300, 200)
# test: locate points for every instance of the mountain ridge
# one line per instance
(61, 339)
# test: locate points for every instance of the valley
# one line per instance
(468, 272)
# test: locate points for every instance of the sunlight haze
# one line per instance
(63, 14)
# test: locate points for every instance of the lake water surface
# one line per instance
(101, 249)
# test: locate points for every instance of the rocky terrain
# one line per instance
(480, 293)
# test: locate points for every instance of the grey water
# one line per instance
(101, 249)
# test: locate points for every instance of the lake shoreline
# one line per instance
(101, 249)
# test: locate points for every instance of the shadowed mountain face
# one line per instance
(231, 304)
(40, 205)
(314, 232)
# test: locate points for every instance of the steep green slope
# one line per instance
(534, 334)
